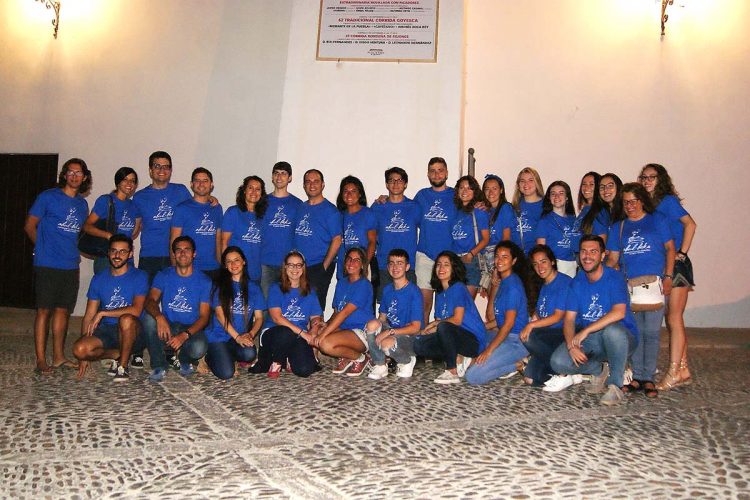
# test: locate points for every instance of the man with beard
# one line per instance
(437, 214)
(111, 323)
(599, 327)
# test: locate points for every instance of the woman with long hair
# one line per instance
(508, 316)
(293, 315)
(127, 216)
(344, 335)
(610, 192)
(593, 217)
(359, 224)
(527, 204)
(544, 333)
(642, 247)
(587, 189)
(241, 225)
(471, 231)
(457, 334)
(238, 307)
(557, 227)
(658, 184)
(501, 220)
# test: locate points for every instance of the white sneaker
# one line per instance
(463, 366)
(559, 382)
(378, 372)
(509, 375)
(405, 370)
(447, 378)
(627, 377)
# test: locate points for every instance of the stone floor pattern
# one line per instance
(336, 437)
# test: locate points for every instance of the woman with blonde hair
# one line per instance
(527, 204)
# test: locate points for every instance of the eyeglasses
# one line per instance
(122, 251)
(353, 259)
(161, 167)
(298, 265)
(395, 181)
(631, 202)
(647, 178)
(603, 187)
(74, 173)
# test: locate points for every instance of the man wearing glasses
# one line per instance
(398, 219)
(111, 324)
(53, 224)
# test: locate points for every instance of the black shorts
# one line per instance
(56, 288)
(683, 273)
(109, 334)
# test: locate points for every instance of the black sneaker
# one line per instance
(122, 375)
(113, 368)
(137, 362)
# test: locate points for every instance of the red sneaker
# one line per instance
(358, 367)
(275, 370)
(342, 365)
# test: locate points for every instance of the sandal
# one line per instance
(649, 389)
(634, 386)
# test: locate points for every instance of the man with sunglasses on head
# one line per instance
(111, 324)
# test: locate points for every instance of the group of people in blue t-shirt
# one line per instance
(569, 295)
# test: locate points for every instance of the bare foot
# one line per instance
(43, 369)
(83, 366)
(203, 368)
(65, 363)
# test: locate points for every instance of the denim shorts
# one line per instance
(473, 273)
(109, 334)
(683, 273)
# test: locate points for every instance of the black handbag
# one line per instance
(94, 245)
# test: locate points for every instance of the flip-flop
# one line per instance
(45, 371)
(650, 389)
(66, 364)
(634, 386)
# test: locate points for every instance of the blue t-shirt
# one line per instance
(527, 218)
(117, 292)
(600, 225)
(156, 207)
(511, 297)
(437, 212)
(126, 213)
(200, 221)
(505, 219)
(245, 229)
(462, 233)
(295, 307)
(317, 225)
(552, 297)
(641, 245)
(458, 296)
(60, 220)
(355, 227)
(397, 228)
(278, 229)
(402, 306)
(560, 234)
(241, 319)
(358, 293)
(672, 210)
(181, 296)
(591, 301)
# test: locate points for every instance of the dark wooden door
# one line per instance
(24, 177)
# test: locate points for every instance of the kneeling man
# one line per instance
(599, 327)
(111, 323)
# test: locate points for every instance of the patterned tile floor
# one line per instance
(333, 437)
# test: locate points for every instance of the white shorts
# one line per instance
(361, 335)
(568, 267)
(423, 269)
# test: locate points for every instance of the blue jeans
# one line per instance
(401, 352)
(613, 344)
(191, 351)
(541, 344)
(647, 350)
(446, 343)
(221, 357)
(501, 361)
(152, 266)
(268, 276)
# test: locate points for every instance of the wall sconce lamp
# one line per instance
(664, 16)
(50, 4)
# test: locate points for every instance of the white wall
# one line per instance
(577, 85)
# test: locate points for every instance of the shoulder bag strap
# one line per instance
(111, 223)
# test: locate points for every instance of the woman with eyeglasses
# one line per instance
(470, 232)
(557, 227)
(238, 306)
(507, 317)
(241, 225)
(642, 247)
(527, 204)
(657, 182)
(343, 336)
(457, 334)
(127, 216)
(293, 316)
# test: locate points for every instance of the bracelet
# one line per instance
(682, 253)
(188, 333)
(668, 276)
(300, 332)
